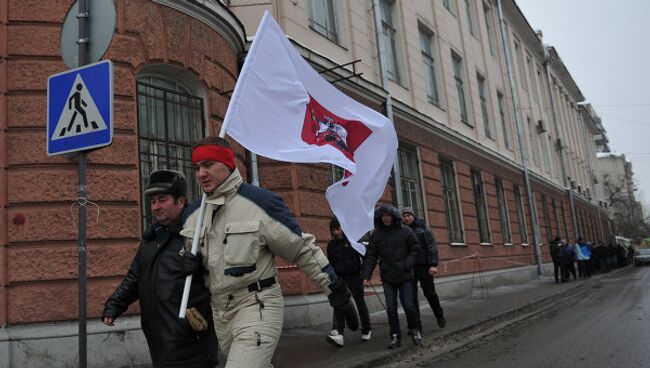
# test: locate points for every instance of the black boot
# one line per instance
(442, 322)
(416, 337)
(395, 342)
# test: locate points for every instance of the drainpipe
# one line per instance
(559, 145)
(389, 100)
(600, 224)
(522, 151)
(574, 214)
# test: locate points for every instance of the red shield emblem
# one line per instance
(322, 127)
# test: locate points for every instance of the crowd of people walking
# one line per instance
(589, 259)
(405, 249)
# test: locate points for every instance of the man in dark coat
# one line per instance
(156, 278)
(426, 266)
(568, 261)
(396, 248)
(555, 249)
(347, 265)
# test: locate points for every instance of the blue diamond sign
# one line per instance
(80, 108)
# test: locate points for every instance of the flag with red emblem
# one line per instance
(283, 109)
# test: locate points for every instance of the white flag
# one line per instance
(283, 109)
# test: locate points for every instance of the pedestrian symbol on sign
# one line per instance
(80, 114)
(80, 109)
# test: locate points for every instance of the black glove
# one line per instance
(190, 263)
(340, 301)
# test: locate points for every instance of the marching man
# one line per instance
(244, 228)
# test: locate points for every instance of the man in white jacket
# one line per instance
(244, 228)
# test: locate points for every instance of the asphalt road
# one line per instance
(608, 326)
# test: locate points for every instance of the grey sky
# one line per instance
(604, 44)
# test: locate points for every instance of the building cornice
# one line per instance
(591, 120)
(519, 23)
(215, 15)
(563, 74)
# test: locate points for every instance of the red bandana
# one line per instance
(215, 153)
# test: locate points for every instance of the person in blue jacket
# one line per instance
(583, 250)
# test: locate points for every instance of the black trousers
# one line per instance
(355, 284)
(557, 266)
(425, 280)
(569, 267)
(584, 268)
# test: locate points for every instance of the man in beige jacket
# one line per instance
(244, 228)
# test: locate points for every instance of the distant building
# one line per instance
(619, 187)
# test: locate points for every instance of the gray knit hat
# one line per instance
(408, 210)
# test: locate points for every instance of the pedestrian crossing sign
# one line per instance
(80, 108)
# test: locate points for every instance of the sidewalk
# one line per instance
(307, 347)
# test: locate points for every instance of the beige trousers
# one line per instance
(249, 333)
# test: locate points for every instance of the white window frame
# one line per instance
(503, 115)
(521, 68)
(411, 178)
(188, 100)
(544, 152)
(480, 204)
(533, 80)
(323, 19)
(470, 7)
(490, 28)
(459, 78)
(521, 215)
(504, 214)
(456, 210)
(485, 110)
(427, 49)
(450, 5)
(390, 37)
(532, 139)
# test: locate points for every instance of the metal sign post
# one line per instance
(80, 111)
(83, 17)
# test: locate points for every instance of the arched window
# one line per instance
(170, 122)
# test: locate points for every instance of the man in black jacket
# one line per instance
(426, 266)
(347, 265)
(156, 278)
(396, 247)
(555, 249)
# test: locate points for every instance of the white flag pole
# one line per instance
(195, 246)
(195, 243)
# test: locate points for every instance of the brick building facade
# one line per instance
(154, 42)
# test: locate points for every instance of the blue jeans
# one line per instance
(407, 298)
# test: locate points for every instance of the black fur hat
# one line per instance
(167, 182)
